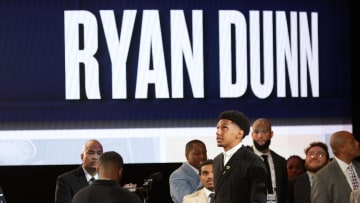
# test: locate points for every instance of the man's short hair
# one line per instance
(203, 163)
(237, 117)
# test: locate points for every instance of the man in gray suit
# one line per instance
(332, 183)
(185, 179)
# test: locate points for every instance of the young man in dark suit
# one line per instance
(239, 175)
(69, 183)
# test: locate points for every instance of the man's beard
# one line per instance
(262, 147)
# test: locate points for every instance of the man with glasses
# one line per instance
(69, 183)
(317, 156)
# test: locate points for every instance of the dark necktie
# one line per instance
(268, 181)
(91, 181)
(212, 197)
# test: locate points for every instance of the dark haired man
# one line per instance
(205, 194)
(239, 175)
(107, 188)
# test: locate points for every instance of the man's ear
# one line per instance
(120, 172)
(240, 134)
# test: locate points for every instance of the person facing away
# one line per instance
(295, 166)
(69, 183)
(206, 175)
(317, 156)
(107, 188)
(277, 186)
(239, 174)
(185, 179)
(332, 183)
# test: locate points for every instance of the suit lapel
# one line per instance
(228, 168)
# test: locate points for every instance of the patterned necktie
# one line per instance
(268, 182)
(212, 197)
(353, 178)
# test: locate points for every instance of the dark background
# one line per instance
(37, 183)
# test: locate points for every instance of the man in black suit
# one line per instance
(107, 188)
(278, 183)
(71, 182)
(317, 156)
(239, 175)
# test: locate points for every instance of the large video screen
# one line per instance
(144, 77)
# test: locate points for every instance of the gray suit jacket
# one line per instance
(184, 180)
(330, 184)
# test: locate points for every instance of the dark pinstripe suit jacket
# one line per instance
(243, 179)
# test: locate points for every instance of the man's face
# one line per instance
(228, 134)
(90, 156)
(315, 159)
(261, 134)
(207, 176)
(196, 155)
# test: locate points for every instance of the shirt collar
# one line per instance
(230, 152)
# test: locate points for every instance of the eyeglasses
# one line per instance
(317, 154)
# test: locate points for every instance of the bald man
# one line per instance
(332, 183)
(69, 183)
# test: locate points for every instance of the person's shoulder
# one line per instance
(180, 170)
(277, 156)
(129, 196)
(248, 147)
(194, 194)
(74, 172)
(328, 169)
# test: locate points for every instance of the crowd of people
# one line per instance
(258, 174)
(240, 173)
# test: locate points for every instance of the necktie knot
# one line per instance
(212, 197)
(91, 181)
